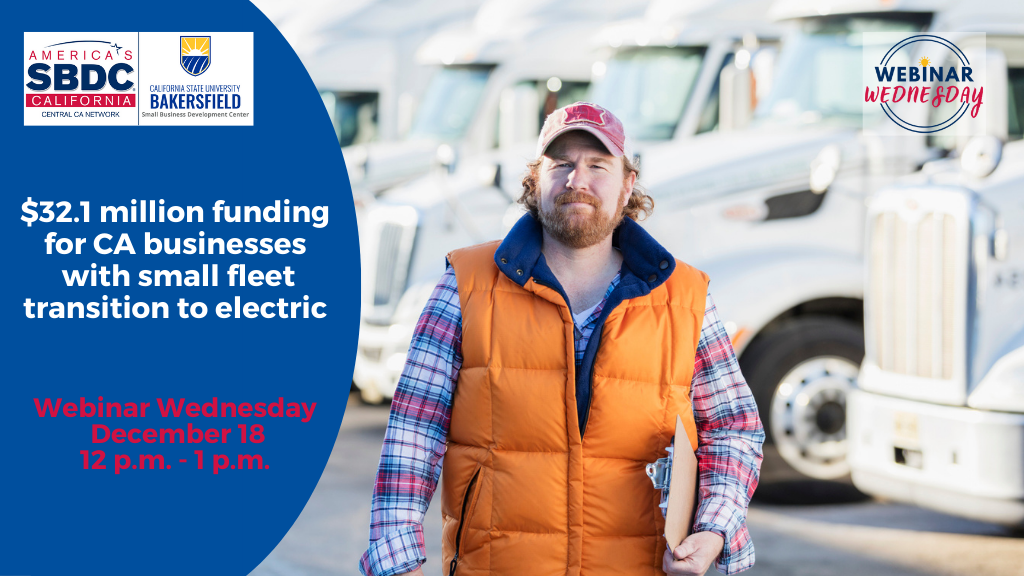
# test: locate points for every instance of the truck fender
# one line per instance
(751, 290)
(1002, 388)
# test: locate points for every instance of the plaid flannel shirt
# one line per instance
(728, 429)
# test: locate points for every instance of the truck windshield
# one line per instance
(450, 102)
(354, 115)
(647, 88)
(819, 71)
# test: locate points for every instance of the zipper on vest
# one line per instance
(462, 521)
(590, 384)
(590, 404)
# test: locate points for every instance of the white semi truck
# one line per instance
(776, 215)
(937, 418)
(670, 59)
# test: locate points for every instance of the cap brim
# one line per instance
(615, 150)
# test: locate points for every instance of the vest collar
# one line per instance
(646, 264)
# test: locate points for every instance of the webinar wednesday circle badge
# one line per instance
(924, 83)
(181, 313)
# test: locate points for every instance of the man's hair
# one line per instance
(640, 205)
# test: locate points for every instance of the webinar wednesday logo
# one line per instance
(925, 83)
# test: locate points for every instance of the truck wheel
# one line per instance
(800, 375)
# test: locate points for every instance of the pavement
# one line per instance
(852, 537)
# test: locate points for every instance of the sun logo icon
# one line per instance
(925, 61)
(195, 54)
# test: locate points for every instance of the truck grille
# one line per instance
(395, 232)
(914, 293)
(389, 254)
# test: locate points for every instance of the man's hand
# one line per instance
(694, 555)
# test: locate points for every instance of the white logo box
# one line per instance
(228, 77)
(52, 107)
(222, 94)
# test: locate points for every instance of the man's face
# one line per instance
(583, 190)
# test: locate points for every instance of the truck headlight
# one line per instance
(824, 168)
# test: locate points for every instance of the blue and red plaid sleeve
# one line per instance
(730, 436)
(414, 443)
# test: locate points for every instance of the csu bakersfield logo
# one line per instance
(195, 54)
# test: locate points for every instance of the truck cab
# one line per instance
(937, 417)
(775, 215)
(783, 250)
(665, 73)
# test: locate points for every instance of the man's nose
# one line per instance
(577, 180)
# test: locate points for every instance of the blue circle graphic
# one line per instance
(60, 517)
(956, 116)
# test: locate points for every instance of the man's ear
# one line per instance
(630, 182)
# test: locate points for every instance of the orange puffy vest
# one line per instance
(524, 492)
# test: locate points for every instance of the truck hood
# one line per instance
(438, 187)
(681, 173)
(675, 173)
(379, 166)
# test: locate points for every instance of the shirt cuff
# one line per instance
(397, 552)
(738, 549)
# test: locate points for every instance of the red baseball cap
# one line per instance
(587, 117)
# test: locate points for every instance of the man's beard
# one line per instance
(578, 229)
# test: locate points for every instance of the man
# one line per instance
(545, 372)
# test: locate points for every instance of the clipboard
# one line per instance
(676, 477)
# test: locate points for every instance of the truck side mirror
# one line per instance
(736, 94)
(981, 156)
(762, 66)
(518, 115)
(406, 113)
(490, 175)
(994, 99)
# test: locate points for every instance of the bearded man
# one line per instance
(547, 369)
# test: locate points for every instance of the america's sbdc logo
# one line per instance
(77, 72)
(925, 83)
(80, 78)
(195, 54)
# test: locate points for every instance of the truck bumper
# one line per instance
(380, 359)
(953, 459)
